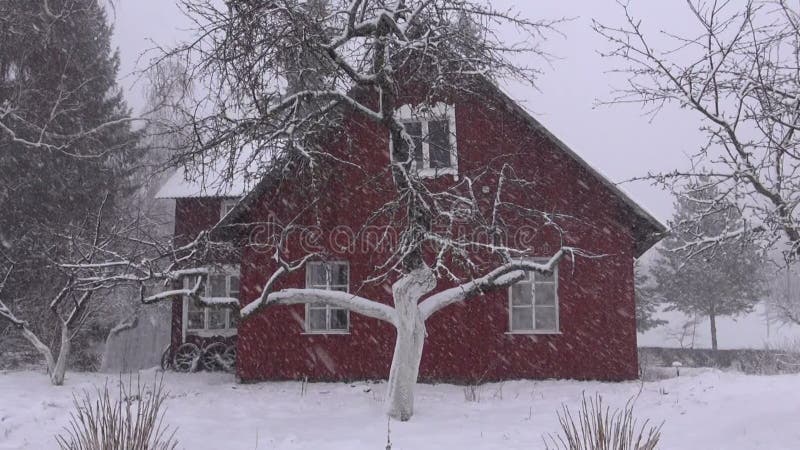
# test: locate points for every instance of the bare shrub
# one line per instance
(133, 420)
(472, 393)
(788, 355)
(599, 428)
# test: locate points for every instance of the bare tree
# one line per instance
(685, 333)
(737, 73)
(279, 76)
(783, 301)
(71, 304)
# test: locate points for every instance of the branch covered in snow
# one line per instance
(360, 305)
(503, 276)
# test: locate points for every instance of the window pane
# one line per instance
(521, 294)
(316, 275)
(546, 294)
(216, 318)
(195, 320)
(545, 318)
(545, 278)
(521, 319)
(227, 206)
(196, 315)
(191, 282)
(234, 291)
(338, 319)
(335, 279)
(339, 274)
(217, 283)
(415, 130)
(233, 317)
(317, 319)
(439, 140)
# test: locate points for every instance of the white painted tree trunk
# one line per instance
(56, 368)
(410, 340)
(58, 371)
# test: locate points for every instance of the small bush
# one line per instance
(598, 428)
(134, 420)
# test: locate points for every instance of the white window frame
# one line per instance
(557, 307)
(423, 114)
(226, 205)
(228, 271)
(307, 322)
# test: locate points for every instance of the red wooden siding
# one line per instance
(192, 215)
(466, 343)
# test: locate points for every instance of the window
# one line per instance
(202, 319)
(333, 276)
(227, 205)
(433, 130)
(533, 304)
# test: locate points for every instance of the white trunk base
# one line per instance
(410, 342)
(56, 368)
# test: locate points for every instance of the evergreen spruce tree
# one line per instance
(66, 146)
(726, 279)
(647, 300)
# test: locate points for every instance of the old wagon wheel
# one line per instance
(213, 357)
(165, 357)
(229, 358)
(186, 358)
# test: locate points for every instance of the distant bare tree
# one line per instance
(685, 333)
(783, 301)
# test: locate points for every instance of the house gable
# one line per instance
(643, 226)
(470, 341)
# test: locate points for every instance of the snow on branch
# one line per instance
(284, 269)
(8, 315)
(704, 243)
(503, 276)
(338, 299)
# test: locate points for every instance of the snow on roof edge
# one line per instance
(177, 186)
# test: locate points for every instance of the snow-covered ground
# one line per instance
(705, 410)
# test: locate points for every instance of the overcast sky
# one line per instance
(621, 142)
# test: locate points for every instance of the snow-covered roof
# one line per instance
(211, 179)
(178, 185)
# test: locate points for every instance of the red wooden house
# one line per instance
(578, 324)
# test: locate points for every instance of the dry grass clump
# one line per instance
(132, 420)
(594, 427)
